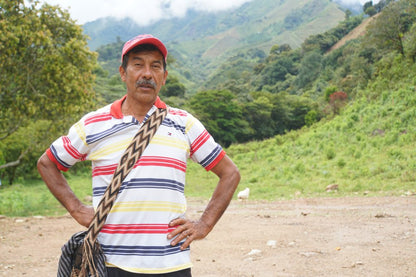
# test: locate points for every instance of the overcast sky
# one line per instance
(144, 11)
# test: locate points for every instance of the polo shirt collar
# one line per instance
(116, 106)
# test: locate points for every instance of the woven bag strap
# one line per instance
(127, 162)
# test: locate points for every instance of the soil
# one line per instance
(362, 236)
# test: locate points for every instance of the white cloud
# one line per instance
(146, 11)
(142, 11)
(217, 5)
(359, 1)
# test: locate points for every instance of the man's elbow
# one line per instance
(43, 162)
(235, 177)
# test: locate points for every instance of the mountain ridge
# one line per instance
(251, 17)
(203, 41)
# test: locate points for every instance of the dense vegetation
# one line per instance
(46, 81)
(295, 120)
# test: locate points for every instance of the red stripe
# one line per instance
(176, 112)
(216, 161)
(144, 161)
(162, 161)
(104, 170)
(72, 150)
(203, 137)
(137, 229)
(55, 161)
(98, 118)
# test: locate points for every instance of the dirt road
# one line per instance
(369, 236)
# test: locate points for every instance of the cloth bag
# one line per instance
(82, 255)
(71, 258)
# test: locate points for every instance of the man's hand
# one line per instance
(189, 230)
(194, 230)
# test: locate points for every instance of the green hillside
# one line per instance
(368, 149)
(288, 22)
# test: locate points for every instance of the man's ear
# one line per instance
(165, 77)
(122, 73)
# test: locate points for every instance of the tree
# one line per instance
(367, 5)
(337, 100)
(348, 14)
(45, 70)
(369, 9)
(258, 114)
(410, 43)
(221, 115)
(387, 32)
(278, 67)
(277, 49)
(328, 91)
(173, 87)
(309, 70)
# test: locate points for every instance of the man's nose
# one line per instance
(147, 72)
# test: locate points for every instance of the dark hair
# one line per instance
(141, 48)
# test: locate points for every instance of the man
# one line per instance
(146, 231)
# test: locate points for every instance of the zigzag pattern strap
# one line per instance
(126, 164)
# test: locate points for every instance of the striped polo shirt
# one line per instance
(134, 237)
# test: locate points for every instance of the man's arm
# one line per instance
(59, 187)
(229, 178)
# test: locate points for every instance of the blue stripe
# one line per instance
(171, 124)
(114, 129)
(55, 154)
(145, 183)
(212, 156)
(98, 191)
(137, 250)
(153, 183)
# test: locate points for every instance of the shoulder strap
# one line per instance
(127, 162)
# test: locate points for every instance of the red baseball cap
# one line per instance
(144, 39)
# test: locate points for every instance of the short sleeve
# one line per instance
(204, 149)
(69, 149)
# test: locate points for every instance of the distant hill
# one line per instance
(202, 41)
(270, 18)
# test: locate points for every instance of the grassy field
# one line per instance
(32, 197)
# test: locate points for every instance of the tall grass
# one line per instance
(32, 197)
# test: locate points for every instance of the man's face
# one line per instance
(144, 76)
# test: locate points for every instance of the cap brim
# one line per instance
(149, 40)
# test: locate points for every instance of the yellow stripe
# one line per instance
(81, 132)
(109, 149)
(122, 145)
(152, 270)
(148, 206)
(189, 124)
(171, 142)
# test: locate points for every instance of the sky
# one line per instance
(145, 11)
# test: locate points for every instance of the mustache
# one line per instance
(146, 83)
